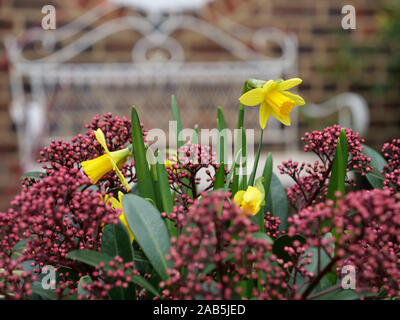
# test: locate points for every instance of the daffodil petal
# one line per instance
(114, 203)
(299, 101)
(238, 198)
(252, 194)
(288, 84)
(120, 195)
(256, 209)
(263, 115)
(252, 97)
(269, 85)
(122, 178)
(101, 139)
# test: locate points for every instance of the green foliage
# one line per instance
(375, 177)
(143, 176)
(90, 257)
(276, 202)
(220, 177)
(222, 139)
(116, 242)
(339, 168)
(165, 192)
(149, 230)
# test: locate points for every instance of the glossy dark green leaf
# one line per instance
(149, 230)
(243, 182)
(375, 178)
(276, 202)
(219, 177)
(339, 169)
(342, 294)
(43, 293)
(222, 138)
(165, 193)
(87, 280)
(143, 176)
(90, 257)
(267, 174)
(282, 242)
(116, 242)
(263, 236)
(145, 284)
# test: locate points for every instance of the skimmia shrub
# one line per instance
(112, 217)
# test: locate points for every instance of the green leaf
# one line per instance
(116, 242)
(285, 241)
(165, 193)
(38, 175)
(277, 202)
(90, 257)
(236, 160)
(345, 150)
(253, 173)
(342, 294)
(149, 230)
(87, 280)
(143, 176)
(94, 258)
(263, 236)
(177, 118)
(243, 183)
(339, 168)
(267, 174)
(219, 177)
(375, 178)
(144, 284)
(43, 293)
(324, 260)
(222, 139)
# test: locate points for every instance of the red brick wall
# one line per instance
(317, 23)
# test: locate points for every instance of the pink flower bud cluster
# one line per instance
(183, 178)
(366, 226)
(311, 179)
(108, 277)
(271, 225)
(57, 215)
(218, 250)
(391, 171)
(15, 283)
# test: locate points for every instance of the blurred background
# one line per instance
(107, 55)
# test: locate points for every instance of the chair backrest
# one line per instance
(54, 97)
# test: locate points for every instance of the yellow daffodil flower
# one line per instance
(250, 200)
(117, 204)
(98, 167)
(274, 100)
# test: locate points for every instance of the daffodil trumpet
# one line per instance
(250, 200)
(96, 168)
(273, 98)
